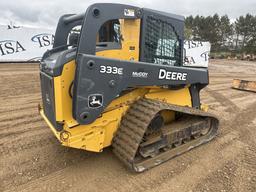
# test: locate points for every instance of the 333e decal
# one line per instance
(111, 70)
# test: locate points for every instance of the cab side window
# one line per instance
(109, 32)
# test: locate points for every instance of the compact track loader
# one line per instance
(115, 78)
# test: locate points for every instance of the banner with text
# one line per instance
(29, 44)
(23, 43)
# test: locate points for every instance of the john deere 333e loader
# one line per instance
(115, 77)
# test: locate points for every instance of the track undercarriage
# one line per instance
(145, 140)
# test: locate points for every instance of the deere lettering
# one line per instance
(10, 47)
(171, 75)
(43, 39)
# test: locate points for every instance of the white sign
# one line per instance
(23, 43)
(196, 53)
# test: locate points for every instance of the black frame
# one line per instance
(65, 25)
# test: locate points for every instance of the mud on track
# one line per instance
(31, 159)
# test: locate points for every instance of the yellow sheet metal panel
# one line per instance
(177, 97)
(59, 101)
(108, 123)
(63, 100)
(90, 141)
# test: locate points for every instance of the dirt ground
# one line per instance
(31, 159)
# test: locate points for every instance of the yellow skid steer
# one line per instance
(115, 77)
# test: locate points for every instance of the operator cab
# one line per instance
(159, 39)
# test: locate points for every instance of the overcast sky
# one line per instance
(45, 13)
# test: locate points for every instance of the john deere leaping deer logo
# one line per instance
(95, 100)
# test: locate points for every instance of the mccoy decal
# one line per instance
(140, 74)
(10, 47)
(44, 39)
(172, 75)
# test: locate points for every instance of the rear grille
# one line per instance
(47, 90)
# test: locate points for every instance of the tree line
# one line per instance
(238, 36)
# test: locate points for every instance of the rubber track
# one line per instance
(134, 124)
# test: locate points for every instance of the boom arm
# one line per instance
(99, 80)
(107, 78)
